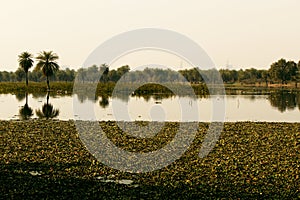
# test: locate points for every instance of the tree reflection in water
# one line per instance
(282, 100)
(47, 111)
(104, 101)
(25, 112)
(285, 100)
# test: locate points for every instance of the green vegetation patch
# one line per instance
(35, 87)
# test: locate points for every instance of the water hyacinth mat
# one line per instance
(47, 160)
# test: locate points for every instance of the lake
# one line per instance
(281, 106)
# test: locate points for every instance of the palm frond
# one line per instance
(46, 62)
(25, 61)
(54, 66)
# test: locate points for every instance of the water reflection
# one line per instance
(25, 112)
(20, 96)
(104, 101)
(38, 95)
(123, 96)
(284, 100)
(298, 101)
(84, 95)
(47, 111)
(277, 105)
(158, 97)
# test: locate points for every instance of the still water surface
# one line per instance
(276, 107)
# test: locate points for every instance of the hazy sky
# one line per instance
(245, 33)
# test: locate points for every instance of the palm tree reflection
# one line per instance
(47, 111)
(25, 112)
(104, 101)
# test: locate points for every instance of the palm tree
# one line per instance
(47, 110)
(104, 70)
(25, 62)
(25, 112)
(47, 63)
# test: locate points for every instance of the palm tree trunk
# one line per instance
(26, 79)
(48, 84)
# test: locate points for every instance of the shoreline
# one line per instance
(66, 88)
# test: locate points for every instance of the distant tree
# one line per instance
(5, 76)
(234, 75)
(35, 75)
(133, 77)
(265, 76)
(12, 77)
(65, 75)
(192, 75)
(298, 74)
(47, 63)
(61, 75)
(81, 74)
(92, 73)
(293, 72)
(25, 62)
(185, 73)
(283, 70)
(123, 70)
(104, 70)
(227, 75)
(252, 75)
(20, 74)
(70, 73)
(113, 75)
(242, 76)
(195, 75)
(211, 76)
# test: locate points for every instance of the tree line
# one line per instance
(281, 71)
